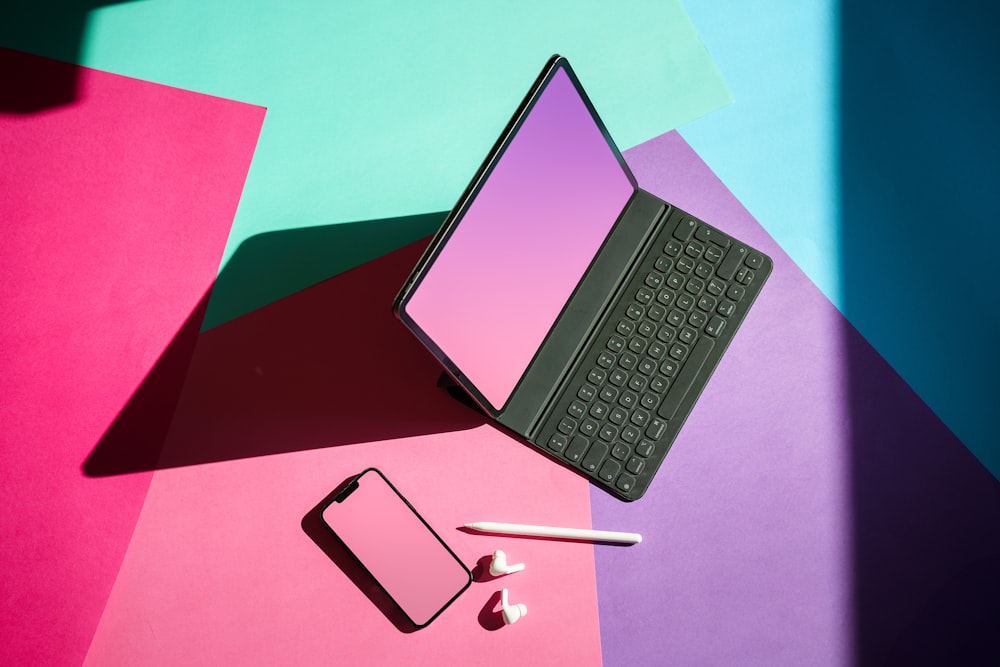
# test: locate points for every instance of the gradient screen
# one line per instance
(413, 566)
(524, 242)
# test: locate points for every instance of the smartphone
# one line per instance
(392, 542)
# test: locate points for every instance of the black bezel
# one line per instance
(454, 218)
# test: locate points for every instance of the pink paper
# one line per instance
(115, 209)
(280, 406)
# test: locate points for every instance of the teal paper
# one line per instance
(383, 110)
(379, 111)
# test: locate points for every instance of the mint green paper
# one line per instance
(383, 110)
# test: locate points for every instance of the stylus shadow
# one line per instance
(326, 365)
(323, 537)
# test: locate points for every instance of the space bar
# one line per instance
(679, 388)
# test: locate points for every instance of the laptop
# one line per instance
(580, 312)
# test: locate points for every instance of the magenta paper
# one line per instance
(115, 208)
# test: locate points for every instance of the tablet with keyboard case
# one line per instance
(578, 311)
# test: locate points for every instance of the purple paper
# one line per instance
(813, 511)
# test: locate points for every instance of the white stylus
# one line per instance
(550, 531)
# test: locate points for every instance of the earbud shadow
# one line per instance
(490, 616)
(323, 537)
(481, 572)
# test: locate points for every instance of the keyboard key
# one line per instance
(666, 334)
(586, 392)
(707, 302)
(736, 292)
(715, 326)
(577, 446)
(754, 261)
(687, 334)
(599, 410)
(608, 432)
(684, 229)
(647, 366)
(644, 448)
(653, 279)
(678, 351)
(630, 434)
(663, 264)
(697, 319)
(726, 308)
(628, 361)
(731, 261)
(594, 456)
(716, 287)
(656, 429)
(606, 359)
(695, 286)
(637, 345)
(673, 248)
(608, 394)
(620, 452)
(557, 442)
(644, 296)
(618, 377)
(675, 318)
(713, 254)
(669, 367)
(646, 328)
(640, 418)
(703, 270)
(635, 311)
(617, 416)
(659, 384)
(665, 296)
(597, 376)
(656, 312)
(707, 234)
(636, 382)
(567, 426)
(635, 465)
(684, 264)
(577, 409)
(625, 327)
(628, 400)
(649, 400)
(588, 428)
(625, 483)
(616, 344)
(694, 249)
(675, 281)
(656, 349)
(609, 470)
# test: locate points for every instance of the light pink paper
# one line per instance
(115, 209)
(282, 405)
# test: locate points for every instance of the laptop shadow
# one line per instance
(327, 365)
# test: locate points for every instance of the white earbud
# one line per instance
(511, 614)
(499, 566)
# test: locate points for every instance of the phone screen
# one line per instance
(414, 566)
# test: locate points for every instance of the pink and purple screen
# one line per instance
(395, 546)
(503, 276)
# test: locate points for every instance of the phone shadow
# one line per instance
(326, 365)
(314, 526)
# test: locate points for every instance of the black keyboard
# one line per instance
(626, 400)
